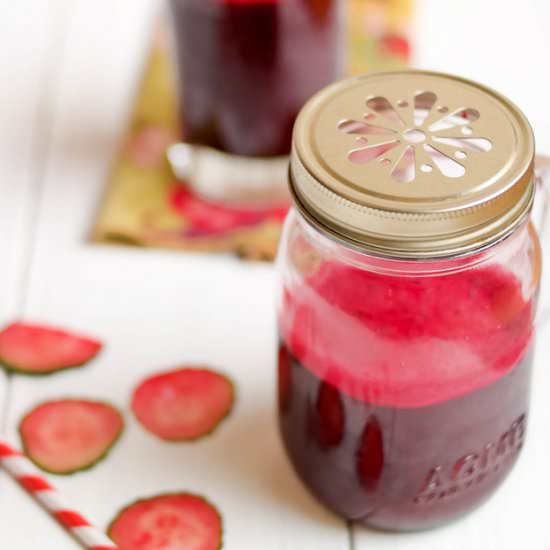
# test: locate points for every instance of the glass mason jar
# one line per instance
(245, 68)
(409, 278)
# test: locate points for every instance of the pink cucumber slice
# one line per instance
(175, 521)
(183, 404)
(36, 349)
(66, 436)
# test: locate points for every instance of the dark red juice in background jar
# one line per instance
(247, 66)
(403, 401)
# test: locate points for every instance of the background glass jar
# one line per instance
(245, 69)
(406, 332)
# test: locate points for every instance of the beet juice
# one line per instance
(404, 400)
(406, 309)
(247, 66)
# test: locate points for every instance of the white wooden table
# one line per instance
(68, 71)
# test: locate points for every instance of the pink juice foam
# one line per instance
(403, 400)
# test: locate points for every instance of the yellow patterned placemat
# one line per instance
(145, 206)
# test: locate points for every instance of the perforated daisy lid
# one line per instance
(413, 163)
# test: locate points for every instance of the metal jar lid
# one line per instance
(413, 164)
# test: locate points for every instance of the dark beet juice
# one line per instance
(403, 399)
(247, 66)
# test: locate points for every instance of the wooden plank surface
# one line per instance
(157, 310)
(32, 40)
(33, 35)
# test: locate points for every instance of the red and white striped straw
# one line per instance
(33, 481)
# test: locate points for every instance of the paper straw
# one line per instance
(33, 481)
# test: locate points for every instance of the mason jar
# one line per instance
(409, 274)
